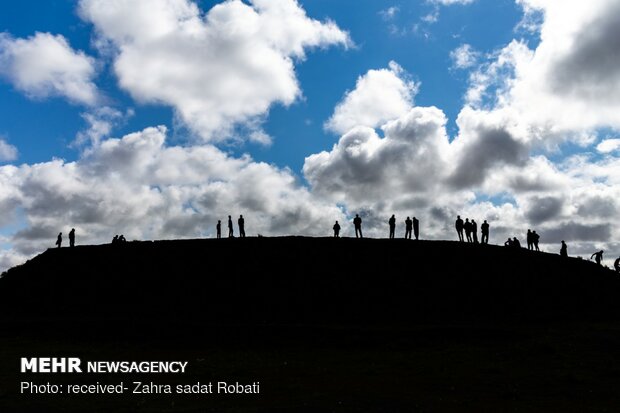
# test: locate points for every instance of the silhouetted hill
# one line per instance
(298, 280)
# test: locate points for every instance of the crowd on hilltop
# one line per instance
(467, 231)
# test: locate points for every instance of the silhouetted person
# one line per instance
(530, 244)
(357, 223)
(408, 228)
(241, 223)
(392, 223)
(508, 243)
(122, 239)
(218, 229)
(563, 250)
(231, 231)
(59, 240)
(468, 227)
(516, 243)
(535, 239)
(336, 230)
(617, 264)
(459, 227)
(416, 228)
(115, 239)
(484, 230)
(72, 238)
(598, 257)
(474, 231)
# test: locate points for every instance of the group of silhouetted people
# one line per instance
(468, 230)
(231, 230)
(118, 239)
(71, 239)
(410, 225)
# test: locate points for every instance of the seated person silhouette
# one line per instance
(516, 243)
(336, 230)
(508, 243)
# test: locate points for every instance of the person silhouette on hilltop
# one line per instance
(72, 238)
(516, 243)
(408, 228)
(563, 250)
(468, 227)
(617, 264)
(530, 243)
(474, 231)
(392, 223)
(535, 239)
(508, 243)
(218, 229)
(598, 257)
(241, 223)
(231, 231)
(357, 223)
(336, 230)
(459, 227)
(416, 228)
(59, 240)
(484, 230)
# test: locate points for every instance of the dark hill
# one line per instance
(325, 325)
(306, 280)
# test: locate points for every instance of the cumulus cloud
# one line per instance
(217, 70)
(464, 56)
(608, 145)
(100, 122)
(451, 2)
(379, 96)
(8, 152)
(45, 65)
(138, 186)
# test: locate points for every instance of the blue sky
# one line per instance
(324, 76)
(299, 113)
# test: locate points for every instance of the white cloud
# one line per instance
(218, 70)
(379, 96)
(8, 152)
(608, 145)
(464, 56)
(100, 122)
(450, 2)
(138, 186)
(389, 13)
(45, 65)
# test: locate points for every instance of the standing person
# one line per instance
(563, 250)
(336, 230)
(231, 231)
(218, 229)
(467, 227)
(459, 227)
(617, 264)
(484, 229)
(598, 257)
(474, 231)
(59, 240)
(357, 222)
(416, 228)
(72, 238)
(535, 239)
(392, 223)
(529, 240)
(241, 223)
(408, 227)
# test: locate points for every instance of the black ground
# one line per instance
(322, 324)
